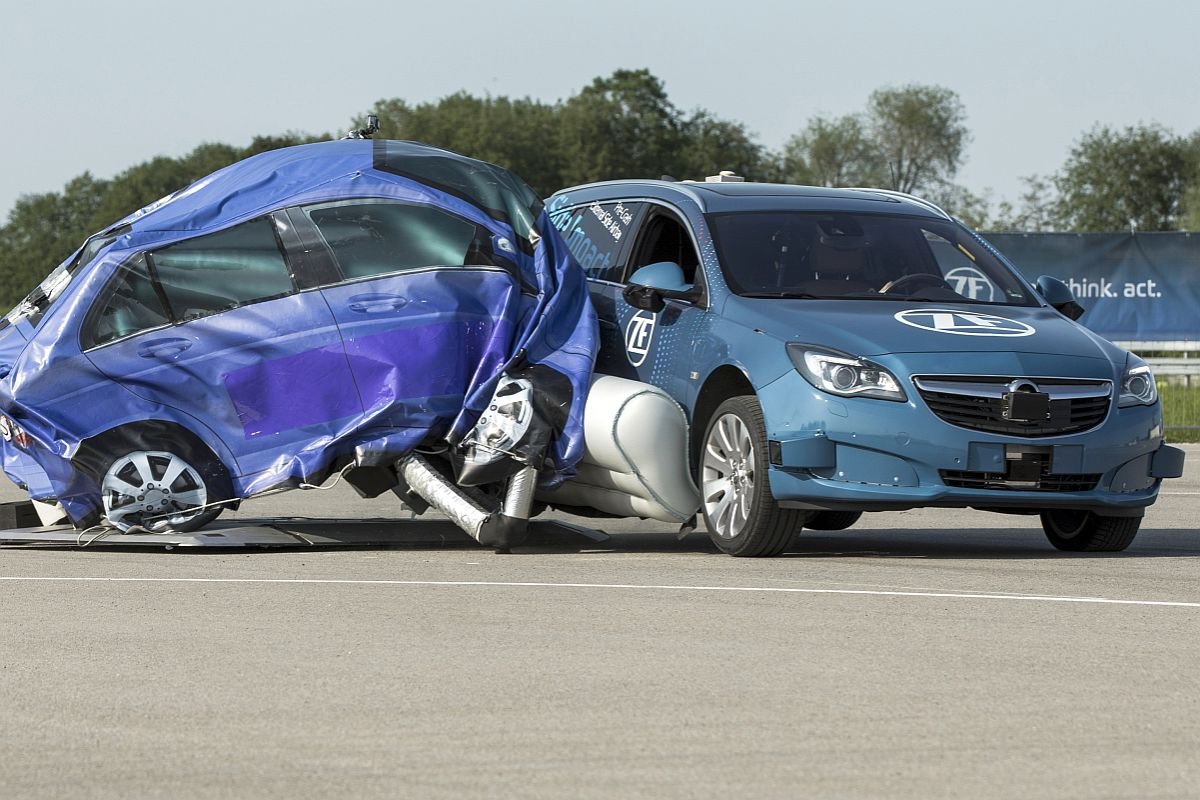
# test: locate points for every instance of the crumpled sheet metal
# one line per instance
(284, 418)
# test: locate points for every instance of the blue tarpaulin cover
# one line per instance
(279, 389)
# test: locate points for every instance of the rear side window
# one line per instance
(223, 270)
(595, 234)
(378, 238)
(130, 304)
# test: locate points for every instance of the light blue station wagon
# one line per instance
(843, 350)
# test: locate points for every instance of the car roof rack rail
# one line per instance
(904, 196)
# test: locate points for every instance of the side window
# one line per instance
(664, 238)
(376, 238)
(595, 234)
(223, 270)
(128, 305)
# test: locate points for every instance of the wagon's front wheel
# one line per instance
(833, 520)
(1085, 531)
(742, 516)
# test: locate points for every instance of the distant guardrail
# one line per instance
(1186, 346)
(1183, 368)
(1176, 367)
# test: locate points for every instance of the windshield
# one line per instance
(859, 256)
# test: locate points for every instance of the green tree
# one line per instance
(920, 133)
(261, 144)
(833, 152)
(973, 209)
(911, 139)
(44, 229)
(622, 126)
(516, 134)
(1190, 212)
(625, 126)
(1038, 208)
(143, 184)
(1114, 180)
(711, 145)
(1190, 219)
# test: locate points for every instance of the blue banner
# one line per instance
(1142, 287)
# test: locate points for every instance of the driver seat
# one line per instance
(837, 270)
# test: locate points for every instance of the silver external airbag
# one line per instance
(635, 462)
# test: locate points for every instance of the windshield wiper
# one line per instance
(800, 295)
(927, 298)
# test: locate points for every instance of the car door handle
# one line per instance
(163, 348)
(377, 303)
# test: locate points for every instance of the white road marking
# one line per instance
(636, 586)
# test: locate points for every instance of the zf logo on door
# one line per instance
(639, 333)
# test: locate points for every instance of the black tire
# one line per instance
(740, 513)
(200, 480)
(833, 520)
(1085, 531)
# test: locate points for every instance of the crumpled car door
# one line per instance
(268, 376)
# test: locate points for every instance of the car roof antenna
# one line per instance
(365, 133)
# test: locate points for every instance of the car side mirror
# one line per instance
(1059, 296)
(646, 298)
(650, 285)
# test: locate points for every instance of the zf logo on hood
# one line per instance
(963, 323)
(638, 335)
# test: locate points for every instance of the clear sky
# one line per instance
(100, 86)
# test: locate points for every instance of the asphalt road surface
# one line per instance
(921, 654)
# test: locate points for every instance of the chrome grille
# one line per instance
(976, 403)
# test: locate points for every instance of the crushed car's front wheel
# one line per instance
(1085, 531)
(159, 491)
(742, 516)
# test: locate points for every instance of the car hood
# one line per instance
(878, 327)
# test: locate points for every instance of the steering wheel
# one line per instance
(917, 279)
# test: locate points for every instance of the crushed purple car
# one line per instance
(386, 309)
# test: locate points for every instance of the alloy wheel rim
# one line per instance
(155, 490)
(728, 476)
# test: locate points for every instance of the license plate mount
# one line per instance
(1026, 406)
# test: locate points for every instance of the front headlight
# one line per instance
(1137, 385)
(844, 374)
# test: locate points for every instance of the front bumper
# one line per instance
(865, 454)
